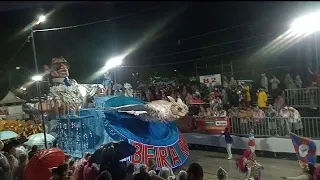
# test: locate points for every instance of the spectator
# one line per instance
(142, 175)
(19, 170)
(164, 173)
(90, 171)
(4, 165)
(10, 149)
(271, 115)
(104, 175)
(151, 165)
(33, 151)
(78, 173)
(182, 175)
(62, 172)
(71, 167)
(274, 85)
(195, 172)
(264, 82)
(54, 172)
(130, 171)
(279, 103)
(152, 172)
(262, 99)
(298, 82)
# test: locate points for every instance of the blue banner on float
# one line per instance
(171, 156)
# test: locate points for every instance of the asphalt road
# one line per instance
(274, 169)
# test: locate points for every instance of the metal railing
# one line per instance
(302, 97)
(277, 127)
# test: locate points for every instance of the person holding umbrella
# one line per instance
(4, 164)
(10, 149)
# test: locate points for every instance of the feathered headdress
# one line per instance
(222, 174)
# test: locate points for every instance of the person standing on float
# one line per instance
(252, 141)
(229, 141)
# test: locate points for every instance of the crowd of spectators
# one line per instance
(14, 159)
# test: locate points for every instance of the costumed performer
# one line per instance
(252, 141)
(249, 165)
(229, 142)
(222, 174)
(107, 82)
(308, 171)
(305, 149)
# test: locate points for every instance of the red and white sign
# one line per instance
(214, 79)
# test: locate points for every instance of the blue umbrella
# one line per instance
(7, 135)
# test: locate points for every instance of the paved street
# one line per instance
(273, 168)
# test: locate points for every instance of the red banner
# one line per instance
(210, 125)
(164, 156)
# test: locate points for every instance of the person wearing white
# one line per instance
(229, 142)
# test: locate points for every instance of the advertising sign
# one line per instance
(164, 156)
(214, 79)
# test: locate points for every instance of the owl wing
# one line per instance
(134, 109)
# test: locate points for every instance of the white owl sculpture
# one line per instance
(159, 110)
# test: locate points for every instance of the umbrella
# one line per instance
(40, 164)
(7, 135)
(197, 101)
(113, 150)
(38, 139)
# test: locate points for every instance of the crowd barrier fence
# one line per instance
(276, 127)
(302, 97)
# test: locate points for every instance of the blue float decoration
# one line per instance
(99, 125)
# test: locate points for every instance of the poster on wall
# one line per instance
(214, 79)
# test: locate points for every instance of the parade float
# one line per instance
(148, 126)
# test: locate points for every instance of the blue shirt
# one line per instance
(227, 137)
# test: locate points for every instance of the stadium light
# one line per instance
(36, 78)
(41, 19)
(114, 62)
(307, 24)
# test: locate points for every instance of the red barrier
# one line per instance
(209, 125)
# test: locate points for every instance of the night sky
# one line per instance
(153, 33)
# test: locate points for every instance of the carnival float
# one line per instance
(81, 125)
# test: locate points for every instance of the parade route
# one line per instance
(210, 161)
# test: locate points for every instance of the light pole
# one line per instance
(37, 77)
(307, 25)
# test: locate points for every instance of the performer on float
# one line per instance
(249, 165)
(107, 82)
(117, 89)
(128, 90)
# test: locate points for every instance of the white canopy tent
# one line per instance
(11, 107)
(11, 98)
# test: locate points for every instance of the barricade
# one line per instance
(302, 97)
(276, 127)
